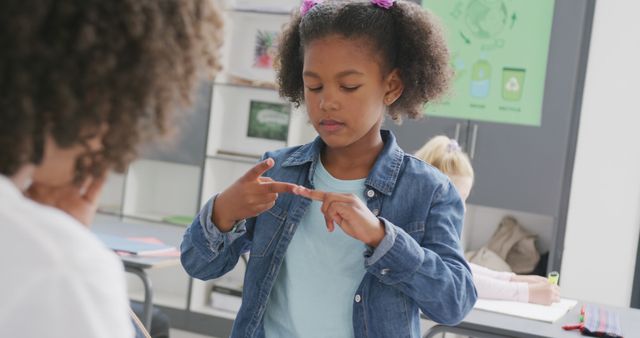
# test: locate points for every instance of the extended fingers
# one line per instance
(268, 185)
(255, 199)
(278, 187)
(329, 223)
(330, 198)
(315, 195)
(336, 215)
(259, 169)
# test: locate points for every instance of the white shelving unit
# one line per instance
(231, 147)
(156, 190)
(166, 183)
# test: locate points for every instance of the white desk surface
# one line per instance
(511, 326)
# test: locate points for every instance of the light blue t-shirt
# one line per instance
(314, 292)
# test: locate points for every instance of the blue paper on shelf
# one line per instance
(118, 243)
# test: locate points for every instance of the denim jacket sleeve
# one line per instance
(434, 273)
(206, 252)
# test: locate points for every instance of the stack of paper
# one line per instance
(543, 313)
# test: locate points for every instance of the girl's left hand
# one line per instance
(81, 202)
(349, 212)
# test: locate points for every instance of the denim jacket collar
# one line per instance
(382, 177)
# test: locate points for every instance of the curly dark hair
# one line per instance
(69, 67)
(407, 37)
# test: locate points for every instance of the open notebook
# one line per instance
(135, 247)
(543, 313)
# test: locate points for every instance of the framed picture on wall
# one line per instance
(264, 49)
(252, 42)
(248, 121)
(268, 120)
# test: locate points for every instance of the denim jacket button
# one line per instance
(358, 298)
(384, 271)
(376, 212)
(371, 193)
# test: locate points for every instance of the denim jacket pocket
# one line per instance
(267, 227)
(415, 230)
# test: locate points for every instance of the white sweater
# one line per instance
(492, 284)
(56, 279)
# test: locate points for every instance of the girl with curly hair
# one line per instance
(365, 236)
(82, 84)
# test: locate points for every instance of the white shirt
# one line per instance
(56, 279)
(492, 284)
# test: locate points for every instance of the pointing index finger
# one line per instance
(279, 187)
(259, 169)
(315, 195)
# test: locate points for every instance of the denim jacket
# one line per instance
(419, 264)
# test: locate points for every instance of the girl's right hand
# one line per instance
(544, 293)
(248, 197)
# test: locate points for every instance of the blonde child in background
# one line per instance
(446, 155)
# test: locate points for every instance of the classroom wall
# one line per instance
(604, 209)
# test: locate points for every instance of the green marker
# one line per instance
(553, 277)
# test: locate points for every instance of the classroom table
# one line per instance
(486, 324)
(137, 265)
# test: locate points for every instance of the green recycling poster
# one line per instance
(499, 52)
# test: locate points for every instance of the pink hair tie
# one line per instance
(453, 146)
(386, 4)
(307, 5)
